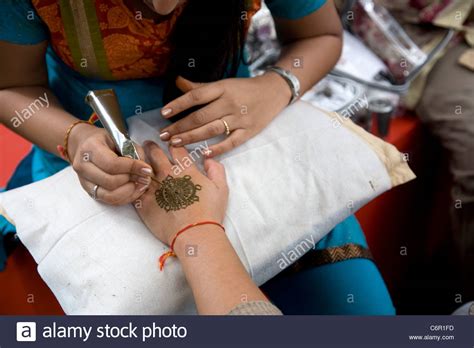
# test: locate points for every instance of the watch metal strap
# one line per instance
(291, 79)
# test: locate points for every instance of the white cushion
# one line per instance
(305, 173)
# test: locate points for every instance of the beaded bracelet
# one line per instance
(171, 252)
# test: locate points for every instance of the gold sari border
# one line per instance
(316, 258)
(84, 38)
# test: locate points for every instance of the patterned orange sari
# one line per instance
(106, 39)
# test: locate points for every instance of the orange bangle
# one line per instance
(171, 252)
(63, 151)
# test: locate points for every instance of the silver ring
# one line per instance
(227, 128)
(93, 193)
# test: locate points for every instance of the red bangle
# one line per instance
(171, 252)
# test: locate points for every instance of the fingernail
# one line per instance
(165, 136)
(147, 171)
(144, 188)
(166, 112)
(176, 141)
(207, 152)
(144, 181)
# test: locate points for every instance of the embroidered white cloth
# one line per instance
(306, 172)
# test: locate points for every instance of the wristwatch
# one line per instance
(291, 79)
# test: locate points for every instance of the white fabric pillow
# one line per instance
(306, 172)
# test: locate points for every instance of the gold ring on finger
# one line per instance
(227, 128)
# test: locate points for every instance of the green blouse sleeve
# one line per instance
(20, 24)
(293, 9)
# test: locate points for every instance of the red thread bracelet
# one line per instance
(171, 252)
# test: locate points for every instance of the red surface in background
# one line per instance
(12, 149)
(387, 222)
(23, 292)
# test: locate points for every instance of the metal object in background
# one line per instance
(334, 93)
(105, 105)
(342, 87)
(381, 111)
(396, 35)
(382, 84)
(381, 32)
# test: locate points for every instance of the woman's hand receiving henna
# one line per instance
(247, 105)
(175, 201)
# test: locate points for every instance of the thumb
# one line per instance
(215, 172)
(186, 85)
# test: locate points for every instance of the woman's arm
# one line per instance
(24, 86)
(30, 109)
(312, 46)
